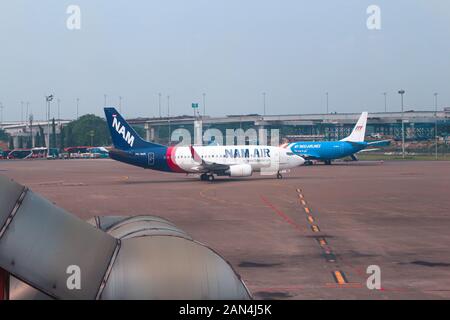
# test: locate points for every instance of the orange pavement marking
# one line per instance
(339, 277)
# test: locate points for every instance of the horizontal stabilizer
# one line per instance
(381, 143)
(368, 150)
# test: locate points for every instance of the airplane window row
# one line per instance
(208, 156)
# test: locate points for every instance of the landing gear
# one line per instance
(206, 177)
(279, 176)
(327, 162)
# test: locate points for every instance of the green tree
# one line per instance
(42, 142)
(140, 130)
(3, 135)
(11, 143)
(68, 140)
(62, 134)
(28, 142)
(79, 131)
(53, 136)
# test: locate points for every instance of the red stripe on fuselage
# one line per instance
(171, 160)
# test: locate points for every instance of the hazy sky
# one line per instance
(233, 50)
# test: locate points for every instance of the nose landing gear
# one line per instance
(279, 176)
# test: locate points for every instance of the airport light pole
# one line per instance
(168, 106)
(204, 104)
(78, 103)
(92, 133)
(401, 93)
(104, 96)
(385, 101)
(168, 114)
(1, 114)
(59, 111)
(264, 103)
(48, 99)
(120, 104)
(326, 93)
(159, 104)
(31, 129)
(435, 125)
(28, 109)
(21, 112)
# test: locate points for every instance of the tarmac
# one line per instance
(311, 235)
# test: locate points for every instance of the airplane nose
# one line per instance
(300, 160)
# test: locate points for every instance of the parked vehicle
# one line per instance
(19, 154)
(98, 152)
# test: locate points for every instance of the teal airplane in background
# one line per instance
(326, 151)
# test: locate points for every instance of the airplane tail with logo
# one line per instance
(123, 136)
(359, 130)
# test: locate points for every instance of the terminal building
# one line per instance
(24, 134)
(419, 125)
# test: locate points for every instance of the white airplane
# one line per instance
(233, 161)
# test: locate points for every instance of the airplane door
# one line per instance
(341, 150)
(275, 160)
(337, 150)
(151, 158)
(276, 156)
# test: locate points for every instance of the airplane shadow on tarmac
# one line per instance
(216, 181)
(349, 163)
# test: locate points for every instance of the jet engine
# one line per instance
(240, 170)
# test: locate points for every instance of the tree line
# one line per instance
(88, 130)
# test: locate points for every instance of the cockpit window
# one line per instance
(290, 153)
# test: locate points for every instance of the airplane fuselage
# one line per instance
(326, 150)
(180, 159)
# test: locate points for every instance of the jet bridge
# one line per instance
(141, 257)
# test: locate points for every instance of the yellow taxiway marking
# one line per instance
(307, 210)
(315, 228)
(339, 277)
(310, 219)
(322, 242)
(303, 202)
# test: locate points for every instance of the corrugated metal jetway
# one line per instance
(141, 257)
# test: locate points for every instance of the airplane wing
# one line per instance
(309, 156)
(206, 165)
(353, 156)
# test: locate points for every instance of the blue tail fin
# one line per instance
(124, 137)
